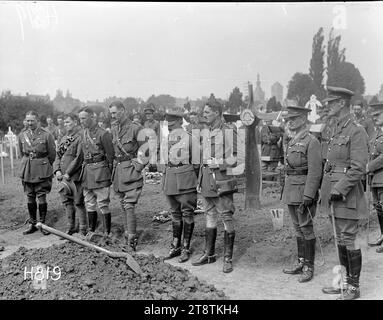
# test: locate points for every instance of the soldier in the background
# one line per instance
(271, 143)
(342, 189)
(127, 171)
(303, 169)
(37, 148)
(150, 121)
(67, 168)
(96, 173)
(180, 182)
(193, 121)
(137, 119)
(25, 125)
(375, 169)
(362, 118)
(51, 127)
(61, 131)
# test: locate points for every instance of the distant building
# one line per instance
(37, 97)
(277, 91)
(259, 94)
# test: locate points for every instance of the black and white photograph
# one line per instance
(202, 153)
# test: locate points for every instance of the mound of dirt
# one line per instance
(88, 275)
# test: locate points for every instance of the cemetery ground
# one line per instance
(260, 253)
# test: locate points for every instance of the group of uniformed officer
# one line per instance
(332, 171)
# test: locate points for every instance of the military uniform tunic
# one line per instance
(69, 159)
(127, 170)
(375, 167)
(345, 166)
(303, 167)
(217, 184)
(180, 177)
(38, 153)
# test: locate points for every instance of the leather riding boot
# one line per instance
(81, 213)
(209, 254)
(228, 252)
(175, 247)
(308, 268)
(43, 208)
(131, 239)
(92, 216)
(297, 268)
(378, 241)
(188, 232)
(355, 266)
(344, 262)
(32, 209)
(71, 215)
(107, 223)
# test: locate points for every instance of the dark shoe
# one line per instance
(209, 253)
(43, 208)
(297, 268)
(107, 223)
(228, 251)
(92, 217)
(185, 255)
(32, 209)
(308, 268)
(379, 250)
(343, 258)
(131, 240)
(173, 252)
(188, 232)
(377, 242)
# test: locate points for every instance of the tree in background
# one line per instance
(300, 88)
(131, 104)
(235, 101)
(374, 99)
(273, 105)
(163, 100)
(317, 68)
(335, 56)
(187, 105)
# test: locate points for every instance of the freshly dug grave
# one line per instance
(86, 274)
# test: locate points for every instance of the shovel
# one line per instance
(113, 254)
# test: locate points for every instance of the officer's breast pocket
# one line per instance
(40, 147)
(297, 155)
(340, 147)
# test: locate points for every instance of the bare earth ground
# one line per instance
(260, 253)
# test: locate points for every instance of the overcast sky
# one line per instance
(100, 49)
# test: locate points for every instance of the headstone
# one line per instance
(277, 218)
(313, 104)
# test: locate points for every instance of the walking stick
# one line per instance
(320, 245)
(336, 246)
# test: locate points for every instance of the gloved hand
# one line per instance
(336, 196)
(307, 201)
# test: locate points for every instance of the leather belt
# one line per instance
(337, 168)
(94, 160)
(171, 165)
(123, 158)
(296, 172)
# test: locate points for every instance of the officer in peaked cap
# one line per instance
(375, 168)
(342, 187)
(180, 185)
(303, 169)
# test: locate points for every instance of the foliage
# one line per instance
(335, 56)
(317, 68)
(162, 100)
(235, 101)
(273, 105)
(300, 88)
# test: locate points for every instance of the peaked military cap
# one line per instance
(173, 116)
(294, 111)
(336, 93)
(149, 108)
(67, 188)
(376, 108)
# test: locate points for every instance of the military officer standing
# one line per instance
(67, 168)
(37, 148)
(180, 183)
(217, 185)
(375, 169)
(127, 172)
(96, 171)
(342, 188)
(303, 169)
